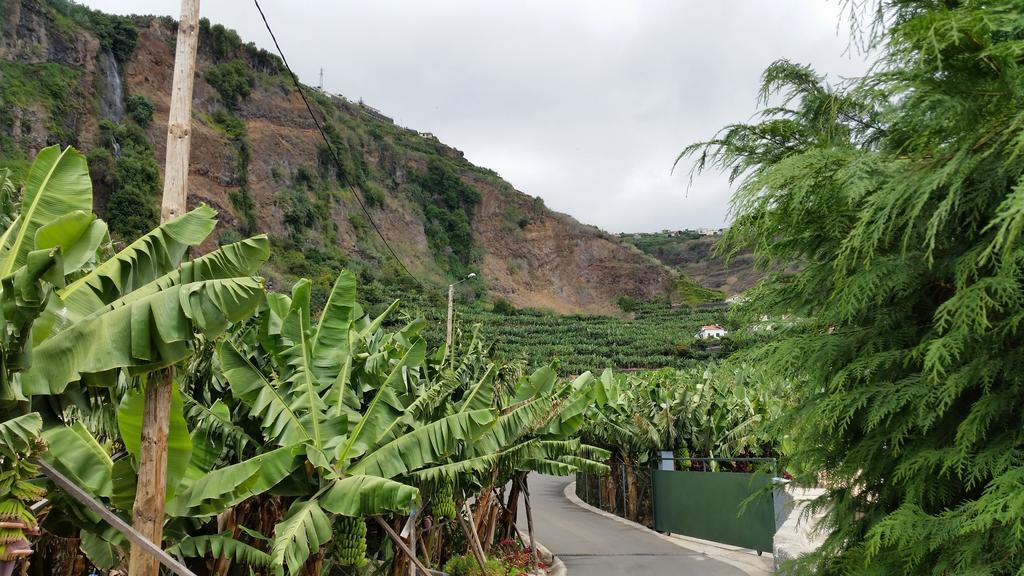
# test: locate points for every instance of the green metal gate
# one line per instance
(728, 507)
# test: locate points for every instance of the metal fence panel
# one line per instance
(707, 505)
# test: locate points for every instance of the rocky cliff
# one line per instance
(72, 76)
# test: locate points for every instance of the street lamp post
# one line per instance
(451, 301)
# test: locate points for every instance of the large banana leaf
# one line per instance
(362, 495)
(75, 451)
(218, 545)
(481, 395)
(145, 335)
(384, 412)
(226, 487)
(513, 425)
(539, 384)
(179, 443)
(17, 434)
(424, 445)
(78, 234)
(266, 400)
(229, 261)
(144, 260)
(58, 183)
(331, 347)
(304, 529)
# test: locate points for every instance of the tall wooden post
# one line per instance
(448, 332)
(529, 521)
(148, 511)
(179, 122)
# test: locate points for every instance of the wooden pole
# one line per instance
(412, 542)
(448, 332)
(470, 531)
(529, 522)
(401, 544)
(148, 511)
(179, 121)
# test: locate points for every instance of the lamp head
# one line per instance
(471, 275)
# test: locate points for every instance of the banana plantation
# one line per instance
(298, 443)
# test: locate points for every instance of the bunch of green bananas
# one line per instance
(16, 521)
(443, 502)
(350, 540)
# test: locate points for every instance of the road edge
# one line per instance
(733, 557)
(555, 565)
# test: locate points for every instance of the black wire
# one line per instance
(337, 162)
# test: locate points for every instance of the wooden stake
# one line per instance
(474, 543)
(148, 511)
(401, 544)
(529, 522)
(412, 541)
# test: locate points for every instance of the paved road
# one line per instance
(593, 545)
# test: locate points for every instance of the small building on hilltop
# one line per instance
(710, 331)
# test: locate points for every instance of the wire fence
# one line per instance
(625, 491)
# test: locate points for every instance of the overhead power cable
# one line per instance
(330, 147)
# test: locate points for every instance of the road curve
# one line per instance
(593, 545)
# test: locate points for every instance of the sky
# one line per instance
(585, 103)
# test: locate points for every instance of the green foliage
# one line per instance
(54, 86)
(689, 293)
(131, 181)
(504, 307)
(628, 303)
(140, 109)
(707, 411)
(241, 200)
(448, 204)
(350, 169)
(115, 33)
(233, 80)
(222, 42)
(467, 565)
(900, 194)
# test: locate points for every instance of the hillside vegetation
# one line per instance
(693, 255)
(73, 76)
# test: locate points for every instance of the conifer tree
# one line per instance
(900, 200)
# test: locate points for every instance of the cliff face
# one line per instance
(268, 172)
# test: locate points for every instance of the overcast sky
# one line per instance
(585, 103)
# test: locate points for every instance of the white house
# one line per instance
(710, 331)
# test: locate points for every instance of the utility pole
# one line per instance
(451, 306)
(151, 491)
(321, 86)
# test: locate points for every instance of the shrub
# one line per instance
(229, 236)
(133, 180)
(448, 204)
(140, 109)
(115, 33)
(466, 565)
(233, 80)
(373, 196)
(628, 303)
(502, 306)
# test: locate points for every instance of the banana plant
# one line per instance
(337, 391)
(78, 327)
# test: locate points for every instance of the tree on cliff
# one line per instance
(901, 195)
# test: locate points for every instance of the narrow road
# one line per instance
(593, 545)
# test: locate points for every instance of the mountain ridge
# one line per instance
(259, 160)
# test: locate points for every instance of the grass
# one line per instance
(54, 86)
